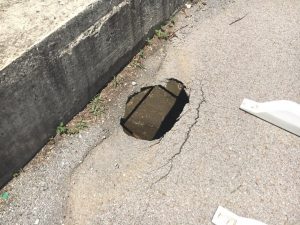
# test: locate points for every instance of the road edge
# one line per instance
(57, 77)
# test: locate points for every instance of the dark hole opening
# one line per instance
(152, 112)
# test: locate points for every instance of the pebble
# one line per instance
(133, 83)
(188, 6)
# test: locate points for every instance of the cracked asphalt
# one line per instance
(214, 155)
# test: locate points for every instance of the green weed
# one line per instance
(149, 41)
(97, 107)
(162, 34)
(137, 61)
(138, 64)
(141, 54)
(78, 127)
(61, 129)
(117, 81)
(16, 174)
(81, 125)
(4, 196)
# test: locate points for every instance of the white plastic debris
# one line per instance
(225, 217)
(188, 6)
(283, 113)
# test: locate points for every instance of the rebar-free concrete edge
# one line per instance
(57, 77)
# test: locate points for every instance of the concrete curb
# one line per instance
(57, 77)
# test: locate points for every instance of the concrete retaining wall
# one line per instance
(57, 77)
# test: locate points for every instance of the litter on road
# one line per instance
(284, 114)
(225, 217)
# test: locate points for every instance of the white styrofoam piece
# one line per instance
(225, 217)
(283, 113)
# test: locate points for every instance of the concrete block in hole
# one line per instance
(152, 112)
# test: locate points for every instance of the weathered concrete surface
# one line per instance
(57, 77)
(27, 22)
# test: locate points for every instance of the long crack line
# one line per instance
(187, 136)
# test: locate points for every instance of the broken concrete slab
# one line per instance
(55, 78)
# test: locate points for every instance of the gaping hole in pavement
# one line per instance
(153, 111)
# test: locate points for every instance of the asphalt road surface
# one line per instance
(215, 154)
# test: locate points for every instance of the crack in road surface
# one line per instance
(170, 161)
(187, 136)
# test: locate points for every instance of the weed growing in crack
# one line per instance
(18, 173)
(162, 34)
(81, 125)
(61, 129)
(4, 196)
(149, 41)
(117, 81)
(137, 60)
(138, 65)
(141, 54)
(78, 127)
(165, 32)
(171, 22)
(97, 107)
